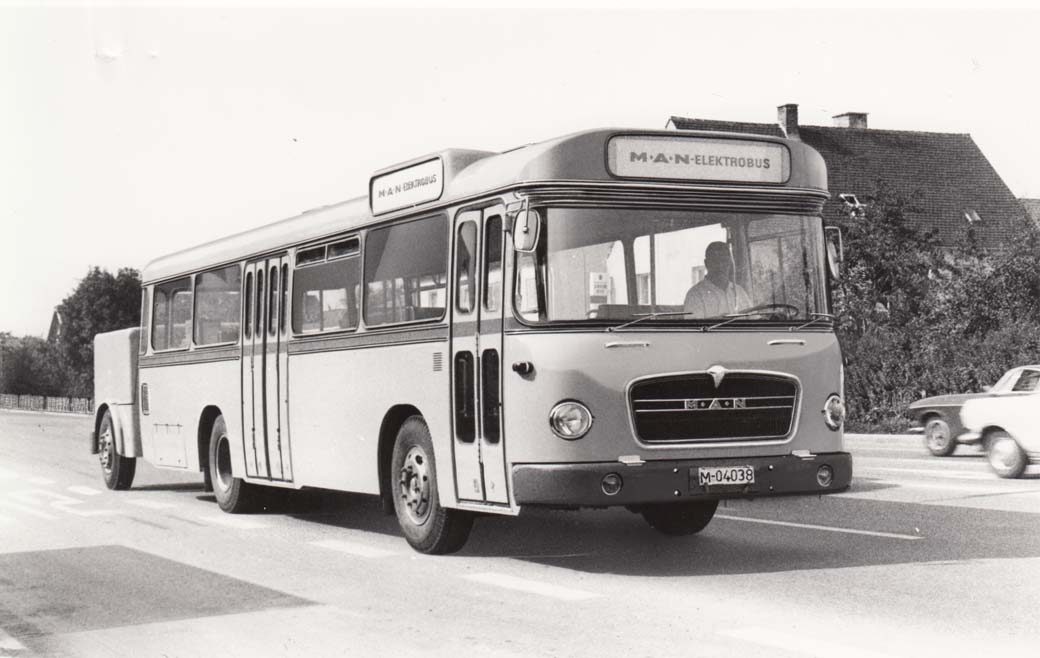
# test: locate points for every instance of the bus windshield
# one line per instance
(599, 265)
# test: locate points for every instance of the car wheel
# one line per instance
(234, 495)
(680, 519)
(427, 526)
(117, 470)
(938, 438)
(1005, 455)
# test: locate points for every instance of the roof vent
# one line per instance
(851, 120)
(972, 216)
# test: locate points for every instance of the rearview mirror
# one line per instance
(526, 228)
(835, 251)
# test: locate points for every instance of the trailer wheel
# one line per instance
(1005, 455)
(938, 438)
(234, 495)
(117, 470)
(427, 526)
(680, 519)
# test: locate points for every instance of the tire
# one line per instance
(117, 470)
(680, 519)
(233, 494)
(428, 527)
(938, 438)
(1004, 454)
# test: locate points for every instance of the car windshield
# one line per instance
(610, 266)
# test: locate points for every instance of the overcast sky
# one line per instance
(128, 134)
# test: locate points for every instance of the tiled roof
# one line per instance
(945, 174)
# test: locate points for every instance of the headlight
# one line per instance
(570, 420)
(834, 412)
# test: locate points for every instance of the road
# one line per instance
(922, 557)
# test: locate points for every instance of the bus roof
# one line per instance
(578, 157)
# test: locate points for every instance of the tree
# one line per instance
(101, 302)
(30, 367)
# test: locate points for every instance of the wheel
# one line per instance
(938, 438)
(117, 470)
(233, 494)
(1004, 455)
(427, 526)
(680, 519)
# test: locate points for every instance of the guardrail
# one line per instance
(47, 403)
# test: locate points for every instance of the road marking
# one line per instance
(934, 472)
(827, 528)
(353, 548)
(59, 501)
(8, 643)
(150, 504)
(28, 510)
(811, 644)
(531, 586)
(83, 491)
(39, 480)
(911, 484)
(232, 522)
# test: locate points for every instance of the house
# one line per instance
(946, 175)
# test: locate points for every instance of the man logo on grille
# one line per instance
(715, 404)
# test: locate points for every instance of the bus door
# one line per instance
(476, 357)
(265, 375)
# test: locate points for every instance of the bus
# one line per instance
(610, 318)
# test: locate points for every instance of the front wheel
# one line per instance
(234, 495)
(117, 470)
(1005, 455)
(680, 519)
(938, 438)
(427, 526)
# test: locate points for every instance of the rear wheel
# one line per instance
(1005, 455)
(427, 526)
(680, 519)
(938, 438)
(234, 495)
(117, 470)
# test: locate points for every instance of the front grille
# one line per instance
(689, 408)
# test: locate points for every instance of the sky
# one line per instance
(127, 134)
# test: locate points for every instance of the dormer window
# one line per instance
(852, 204)
(972, 216)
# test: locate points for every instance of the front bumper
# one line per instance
(580, 485)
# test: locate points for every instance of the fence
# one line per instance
(47, 403)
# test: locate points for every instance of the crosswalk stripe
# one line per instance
(232, 522)
(150, 504)
(809, 644)
(8, 643)
(826, 528)
(353, 548)
(83, 491)
(39, 480)
(28, 510)
(531, 586)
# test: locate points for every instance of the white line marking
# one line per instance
(531, 586)
(232, 522)
(957, 475)
(150, 504)
(809, 526)
(8, 643)
(808, 643)
(39, 480)
(910, 484)
(28, 510)
(83, 491)
(353, 548)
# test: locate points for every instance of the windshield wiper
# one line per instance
(816, 317)
(646, 316)
(732, 317)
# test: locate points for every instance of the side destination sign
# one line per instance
(695, 158)
(407, 187)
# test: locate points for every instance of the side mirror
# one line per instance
(835, 251)
(526, 229)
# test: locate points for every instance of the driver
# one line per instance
(717, 294)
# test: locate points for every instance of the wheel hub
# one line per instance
(414, 485)
(105, 449)
(937, 436)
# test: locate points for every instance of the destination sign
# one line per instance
(695, 158)
(407, 187)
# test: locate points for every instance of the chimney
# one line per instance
(787, 117)
(851, 120)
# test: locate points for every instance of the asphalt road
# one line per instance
(923, 557)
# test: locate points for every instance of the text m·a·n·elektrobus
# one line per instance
(611, 318)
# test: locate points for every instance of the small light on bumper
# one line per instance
(570, 420)
(612, 484)
(834, 412)
(824, 476)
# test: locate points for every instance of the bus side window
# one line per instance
(320, 299)
(493, 263)
(145, 308)
(465, 267)
(171, 315)
(259, 316)
(406, 272)
(248, 315)
(218, 305)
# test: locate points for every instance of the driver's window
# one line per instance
(669, 264)
(1027, 381)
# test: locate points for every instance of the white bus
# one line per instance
(611, 318)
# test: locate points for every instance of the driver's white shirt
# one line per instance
(707, 300)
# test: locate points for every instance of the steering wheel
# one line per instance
(788, 310)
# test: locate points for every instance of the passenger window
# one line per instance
(493, 263)
(325, 295)
(465, 267)
(406, 272)
(249, 305)
(218, 306)
(259, 303)
(171, 315)
(285, 297)
(1027, 381)
(272, 302)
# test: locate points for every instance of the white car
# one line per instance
(1008, 422)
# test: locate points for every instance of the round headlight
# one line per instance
(834, 412)
(570, 420)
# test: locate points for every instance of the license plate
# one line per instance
(709, 476)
